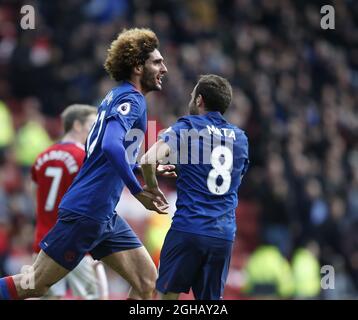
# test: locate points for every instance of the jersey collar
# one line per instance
(215, 114)
(126, 82)
(79, 145)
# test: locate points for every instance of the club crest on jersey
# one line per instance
(124, 108)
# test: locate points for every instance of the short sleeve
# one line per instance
(244, 152)
(244, 143)
(246, 167)
(33, 174)
(126, 111)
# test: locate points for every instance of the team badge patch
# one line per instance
(124, 108)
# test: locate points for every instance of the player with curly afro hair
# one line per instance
(134, 51)
(87, 220)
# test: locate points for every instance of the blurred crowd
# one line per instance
(295, 94)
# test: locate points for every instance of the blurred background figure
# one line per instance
(157, 228)
(7, 133)
(306, 271)
(295, 95)
(32, 137)
(268, 274)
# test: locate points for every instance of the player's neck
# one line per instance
(71, 137)
(135, 82)
(202, 111)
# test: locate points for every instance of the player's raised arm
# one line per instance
(112, 146)
(149, 161)
(149, 166)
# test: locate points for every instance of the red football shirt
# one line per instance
(53, 172)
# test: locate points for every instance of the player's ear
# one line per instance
(77, 125)
(199, 100)
(138, 69)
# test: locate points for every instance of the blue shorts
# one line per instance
(194, 261)
(74, 235)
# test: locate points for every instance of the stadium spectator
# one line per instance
(32, 138)
(306, 271)
(268, 274)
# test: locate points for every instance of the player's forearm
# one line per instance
(149, 176)
(112, 146)
(149, 161)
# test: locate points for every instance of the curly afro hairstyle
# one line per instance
(130, 49)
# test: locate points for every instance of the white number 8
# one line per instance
(222, 169)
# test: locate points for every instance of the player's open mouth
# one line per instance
(159, 79)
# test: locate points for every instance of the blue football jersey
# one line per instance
(211, 156)
(97, 188)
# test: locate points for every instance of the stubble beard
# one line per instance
(148, 81)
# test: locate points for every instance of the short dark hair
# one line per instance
(216, 92)
(131, 48)
(75, 112)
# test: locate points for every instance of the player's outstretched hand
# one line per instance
(160, 197)
(166, 170)
(152, 201)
